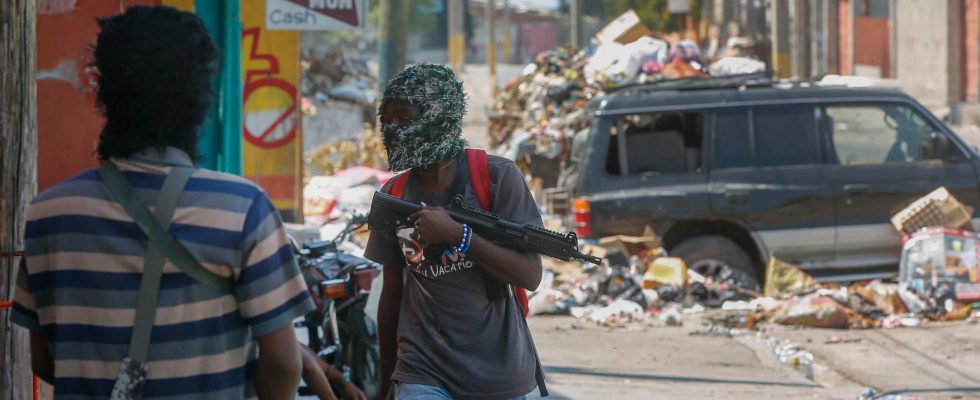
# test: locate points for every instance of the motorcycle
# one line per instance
(338, 330)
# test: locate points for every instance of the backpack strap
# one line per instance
(479, 166)
(398, 188)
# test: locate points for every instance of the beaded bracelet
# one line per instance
(464, 243)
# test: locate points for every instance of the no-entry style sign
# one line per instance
(315, 15)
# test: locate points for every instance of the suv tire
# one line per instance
(708, 255)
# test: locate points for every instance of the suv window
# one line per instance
(880, 133)
(785, 135)
(733, 144)
(659, 143)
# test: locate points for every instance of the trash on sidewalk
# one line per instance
(841, 340)
(942, 264)
(548, 302)
(785, 279)
(348, 190)
(938, 208)
(632, 245)
(670, 271)
(620, 311)
(814, 311)
(671, 316)
(884, 296)
(796, 357)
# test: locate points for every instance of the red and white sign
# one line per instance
(315, 15)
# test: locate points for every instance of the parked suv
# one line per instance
(728, 172)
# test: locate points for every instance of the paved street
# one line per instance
(643, 361)
(646, 362)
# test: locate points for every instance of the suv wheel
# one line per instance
(719, 258)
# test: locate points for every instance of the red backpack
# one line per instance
(477, 163)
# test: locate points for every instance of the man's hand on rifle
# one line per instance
(435, 226)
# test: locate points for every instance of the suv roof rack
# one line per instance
(756, 79)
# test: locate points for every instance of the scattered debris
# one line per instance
(936, 209)
(813, 311)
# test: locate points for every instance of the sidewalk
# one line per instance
(642, 362)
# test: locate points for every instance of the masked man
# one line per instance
(450, 324)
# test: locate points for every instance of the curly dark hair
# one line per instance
(154, 80)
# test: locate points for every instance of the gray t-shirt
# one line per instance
(450, 332)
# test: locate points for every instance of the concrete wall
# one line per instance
(927, 36)
(971, 50)
(334, 120)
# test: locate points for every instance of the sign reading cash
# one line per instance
(315, 15)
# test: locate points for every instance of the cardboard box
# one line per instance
(942, 262)
(624, 29)
(936, 209)
(632, 245)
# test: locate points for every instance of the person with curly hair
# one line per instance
(91, 274)
(451, 325)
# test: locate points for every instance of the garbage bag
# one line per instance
(884, 296)
(736, 66)
(614, 64)
(547, 301)
(787, 279)
(618, 312)
(686, 50)
(813, 311)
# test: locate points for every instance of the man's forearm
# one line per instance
(279, 366)
(506, 265)
(388, 344)
(277, 381)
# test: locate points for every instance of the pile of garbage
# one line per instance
(938, 280)
(536, 114)
(338, 75)
(338, 95)
(349, 191)
(367, 150)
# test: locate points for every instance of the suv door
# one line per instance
(885, 156)
(767, 172)
(646, 170)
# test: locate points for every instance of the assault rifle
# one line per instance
(389, 213)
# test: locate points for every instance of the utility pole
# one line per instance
(392, 38)
(508, 56)
(456, 12)
(18, 179)
(575, 9)
(491, 47)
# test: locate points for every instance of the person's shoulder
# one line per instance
(82, 183)
(222, 182)
(499, 166)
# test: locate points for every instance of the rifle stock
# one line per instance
(388, 213)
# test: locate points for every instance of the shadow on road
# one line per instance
(967, 389)
(670, 378)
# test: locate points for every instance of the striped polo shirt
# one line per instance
(81, 279)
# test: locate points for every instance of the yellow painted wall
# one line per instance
(271, 113)
(186, 5)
